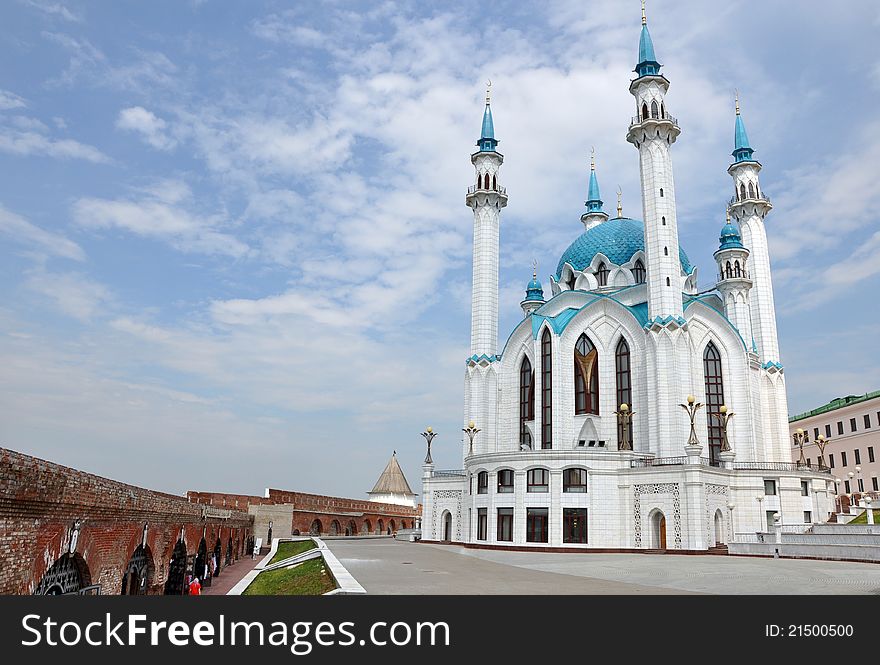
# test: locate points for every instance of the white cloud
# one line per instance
(73, 293)
(9, 100)
(53, 9)
(151, 128)
(44, 242)
(23, 142)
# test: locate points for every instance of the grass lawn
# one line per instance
(304, 580)
(288, 549)
(863, 518)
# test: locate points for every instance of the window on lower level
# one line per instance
(852, 424)
(574, 480)
(874, 484)
(827, 431)
(536, 525)
(861, 484)
(831, 461)
(538, 480)
(505, 481)
(808, 517)
(815, 433)
(505, 524)
(843, 458)
(483, 482)
(805, 488)
(574, 525)
(870, 453)
(858, 456)
(846, 486)
(840, 427)
(867, 421)
(770, 487)
(482, 523)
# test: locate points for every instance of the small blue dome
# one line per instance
(618, 239)
(730, 238)
(534, 291)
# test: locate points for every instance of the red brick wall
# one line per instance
(40, 502)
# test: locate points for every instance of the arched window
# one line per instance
(526, 401)
(663, 219)
(639, 272)
(751, 191)
(479, 181)
(571, 282)
(602, 274)
(546, 391)
(662, 110)
(736, 270)
(644, 111)
(624, 383)
(727, 271)
(486, 181)
(574, 480)
(483, 482)
(661, 192)
(665, 251)
(742, 191)
(714, 398)
(654, 111)
(538, 480)
(668, 283)
(494, 182)
(586, 376)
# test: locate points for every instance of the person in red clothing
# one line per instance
(195, 589)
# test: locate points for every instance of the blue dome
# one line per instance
(730, 237)
(618, 239)
(534, 291)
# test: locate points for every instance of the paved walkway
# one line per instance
(229, 576)
(391, 567)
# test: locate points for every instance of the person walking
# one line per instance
(195, 588)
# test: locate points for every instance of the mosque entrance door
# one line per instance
(447, 527)
(662, 539)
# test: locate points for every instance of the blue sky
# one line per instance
(233, 239)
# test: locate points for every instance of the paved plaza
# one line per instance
(387, 566)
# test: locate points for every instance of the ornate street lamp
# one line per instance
(820, 444)
(730, 507)
(800, 437)
(429, 435)
(692, 407)
(760, 500)
(723, 417)
(624, 418)
(471, 432)
(859, 483)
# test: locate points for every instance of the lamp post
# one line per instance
(730, 507)
(429, 435)
(859, 481)
(692, 407)
(471, 432)
(852, 488)
(820, 444)
(723, 417)
(869, 512)
(624, 418)
(800, 438)
(760, 500)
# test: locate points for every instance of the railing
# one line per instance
(637, 120)
(742, 274)
(759, 197)
(776, 466)
(479, 188)
(450, 473)
(667, 461)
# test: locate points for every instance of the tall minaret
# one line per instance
(594, 214)
(749, 207)
(733, 279)
(486, 198)
(653, 131)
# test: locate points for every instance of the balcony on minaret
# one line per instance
(482, 195)
(644, 126)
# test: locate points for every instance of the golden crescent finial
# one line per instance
(728, 214)
(535, 268)
(644, 16)
(592, 159)
(488, 90)
(619, 201)
(736, 97)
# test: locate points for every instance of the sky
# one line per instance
(234, 247)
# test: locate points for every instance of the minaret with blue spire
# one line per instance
(734, 283)
(485, 198)
(653, 131)
(594, 214)
(534, 294)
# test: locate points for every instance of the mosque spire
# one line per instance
(742, 151)
(648, 65)
(594, 214)
(619, 202)
(487, 142)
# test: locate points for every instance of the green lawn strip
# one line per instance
(863, 518)
(287, 549)
(307, 579)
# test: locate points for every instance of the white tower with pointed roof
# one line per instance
(392, 486)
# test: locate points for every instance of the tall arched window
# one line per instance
(654, 110)
(736, 270)
(586, 376)
(662, 110)
(639, 272)
(546, 391)
(526, 401)
(624, 383)
(486, 181)
(742, 191)
(644, 111)
(727, 272)
(714, 398)
(751, 191)
(665, 251)
(494, 182)
(602, 274)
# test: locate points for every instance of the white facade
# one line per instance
(549, 448)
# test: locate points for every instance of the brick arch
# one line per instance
(366, 526)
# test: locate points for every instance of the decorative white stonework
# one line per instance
(650, 335)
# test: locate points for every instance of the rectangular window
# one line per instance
(482, 523)
(505, 525)
(805, 488)
(574, 480)
(536, 524)
(858, 456)
(538, 480)
(808, 517)
(842, 458)
(852, 424)
(770, 522)
(870, 453)
(831, 460)
(846, 486)
(483, 482)
(808, 462)
(574, 525)
(546, 391)
(867, 421)
(505, 481)
(874, 484)
(815, 433)
(770, 487)
(827, 431)
(840, 427)
(861, 484)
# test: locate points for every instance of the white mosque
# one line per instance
(584, 415)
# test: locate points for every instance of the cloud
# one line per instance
(53, 9)
(155, 215)
(73, 293)
(44, 242)
(23, 142)
(9, 100)
(151, 128)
